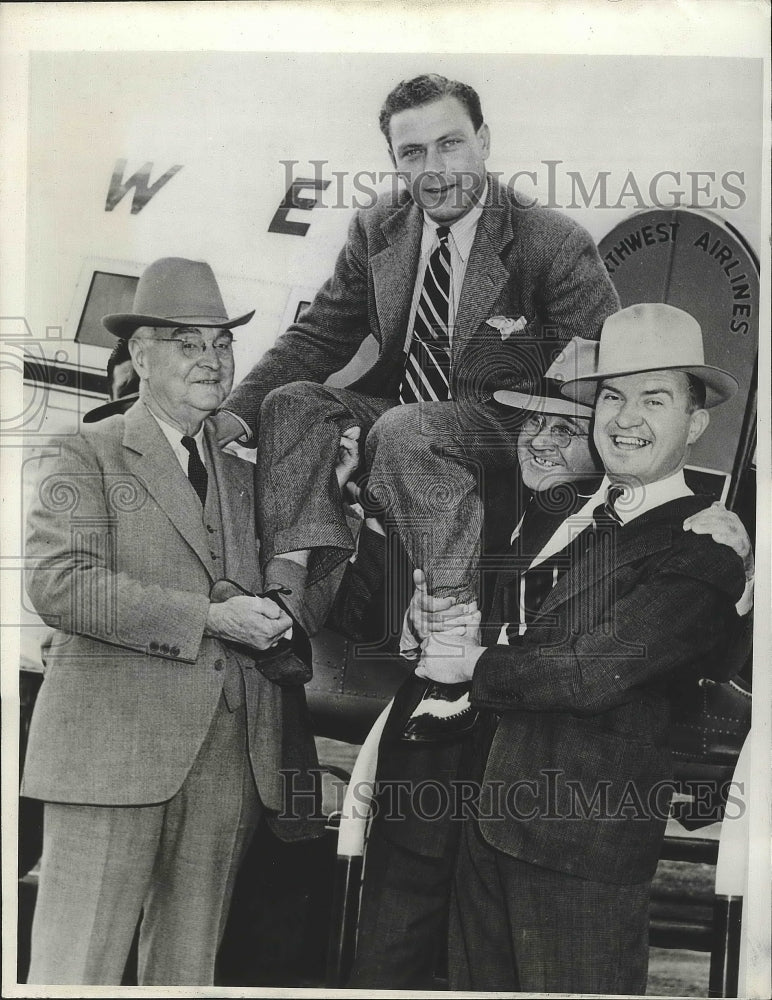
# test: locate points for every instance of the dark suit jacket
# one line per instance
(359, 613)
(581, 754)
(531, 262)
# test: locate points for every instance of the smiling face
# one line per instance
(181, 384)
(645, 425)
(543, 462)
(441, 157)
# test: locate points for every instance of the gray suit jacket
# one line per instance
(531, 262)
(120, 563)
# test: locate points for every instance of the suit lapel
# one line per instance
(535, 531)
(234, 484)
(486, 275)
(151, 459)
(641, 539)
(394, 272)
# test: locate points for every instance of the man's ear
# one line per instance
(484, 135)
(137, 352)
(698, 421)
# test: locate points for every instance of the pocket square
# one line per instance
(507, 325)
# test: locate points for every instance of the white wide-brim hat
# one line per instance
(543, 395)
(650, 337)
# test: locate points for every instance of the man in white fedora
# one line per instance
(156, 742)
(553, 877)
(411, 848)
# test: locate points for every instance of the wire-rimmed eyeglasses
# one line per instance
(562, 434)
(193, 345)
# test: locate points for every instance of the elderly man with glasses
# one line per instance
(161, 727)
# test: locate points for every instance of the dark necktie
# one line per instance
(605, 517)
(427, 367)
(537, 582)
(196, 469)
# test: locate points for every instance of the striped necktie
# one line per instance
(427, 367)
(605, 515)
(197, 473)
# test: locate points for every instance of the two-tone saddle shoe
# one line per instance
(443, 713)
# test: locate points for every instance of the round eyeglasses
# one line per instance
(192, 345)
(562, 435)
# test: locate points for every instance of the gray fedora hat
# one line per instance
(543, 395)
(173, 292)
(649, 337)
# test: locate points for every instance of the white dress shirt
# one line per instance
(174, 436)
(633, 503)
(460, 240)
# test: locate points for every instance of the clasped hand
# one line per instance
(449, 633)
(250, 621)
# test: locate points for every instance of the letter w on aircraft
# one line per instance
(143, 191)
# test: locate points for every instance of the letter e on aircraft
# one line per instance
(281, 223)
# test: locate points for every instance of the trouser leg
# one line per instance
(430, 465)
(480, 955)
(299, 505)
(573, 935)
(96, 867)
(515, 926)
(208, 825)
(402, 919)
(102, 866)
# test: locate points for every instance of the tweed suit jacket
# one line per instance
(525, 261)
(121, 564)
(578, 775)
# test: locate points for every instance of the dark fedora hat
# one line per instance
(173, 292)
(109, 409)
(544, 394)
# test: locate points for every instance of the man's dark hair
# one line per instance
(423, 90)
(695, 389)
(120, 354)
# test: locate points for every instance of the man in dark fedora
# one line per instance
(554, 874)
(157, 739)
(122, 384)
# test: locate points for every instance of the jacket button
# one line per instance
(210, 529)
(164, 648)
(517, 695)
(219, 664)
(213, 555)
(175, 650)
(153, 647)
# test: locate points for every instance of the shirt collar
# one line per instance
(638, 500)
(462, 231)
(174, 435)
